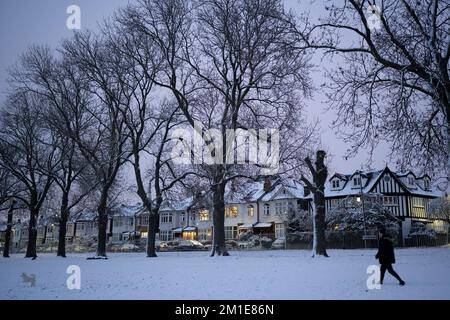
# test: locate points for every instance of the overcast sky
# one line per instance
(26, 22)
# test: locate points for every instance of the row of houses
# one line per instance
(260, 206)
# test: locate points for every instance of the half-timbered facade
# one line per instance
(404, 194)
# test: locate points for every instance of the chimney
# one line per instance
(267, 185)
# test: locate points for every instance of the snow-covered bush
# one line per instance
(440, 209)
(245, 236)
(299, 237)
(350, 216)
(299, 221)
(266, 243)
(420, 229)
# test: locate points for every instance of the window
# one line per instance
(183, 217)
(251, 211)
(267, 209)
(165, 235)
(334, 203)
(281, 208)
(426, 183)
(390, 201)
(357, 181)
(387, 178)
(231, 233)
(204, 234)
(204, 215)
(166, 218)
(279, 230)
(335, 184)
(144, 220)
(418, 202)
(231, 212)
(411, 181)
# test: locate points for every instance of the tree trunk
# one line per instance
(32, 236)
(319, 202)
(320, 241)
(63, 226)
(219, 246)
(102, 228)
(319, 174)
(151, 238)
(448, 150)
(8, 231)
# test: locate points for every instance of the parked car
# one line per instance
(279, 243)
(129, 247)
(189, 245)
(161, 246)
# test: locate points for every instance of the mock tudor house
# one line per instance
(404, 194)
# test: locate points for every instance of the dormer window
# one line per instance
(426, 184)
(357, 181)
(335, 184)
(411, 181)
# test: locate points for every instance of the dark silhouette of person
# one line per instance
(386, 256)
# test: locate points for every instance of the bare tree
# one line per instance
(440, 209)
(393, 83)
(27, 151)
(319, 173)
(55, 81)
(101, 137)
(226, 63)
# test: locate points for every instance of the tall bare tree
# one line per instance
(393, 80)
(102, 137)
(225, 62)
(41, 73)
(27, 151)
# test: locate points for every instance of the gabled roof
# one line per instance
(339, 176)
(373, 177)
(124, 210)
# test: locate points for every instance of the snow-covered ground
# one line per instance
(244, 275)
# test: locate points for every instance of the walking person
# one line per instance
(386, 256)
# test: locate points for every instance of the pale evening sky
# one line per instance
(26, 22)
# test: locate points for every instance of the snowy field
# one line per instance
(244, 275)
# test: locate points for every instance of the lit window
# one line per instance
(231, 212)
(251, 211)
(204, 215)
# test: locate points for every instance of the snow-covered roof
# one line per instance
(262, 225)
(126, 210)
(86, 215)
(285, 189)
(372, 178)
(253, 191)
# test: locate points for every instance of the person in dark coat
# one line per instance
(386, 256)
